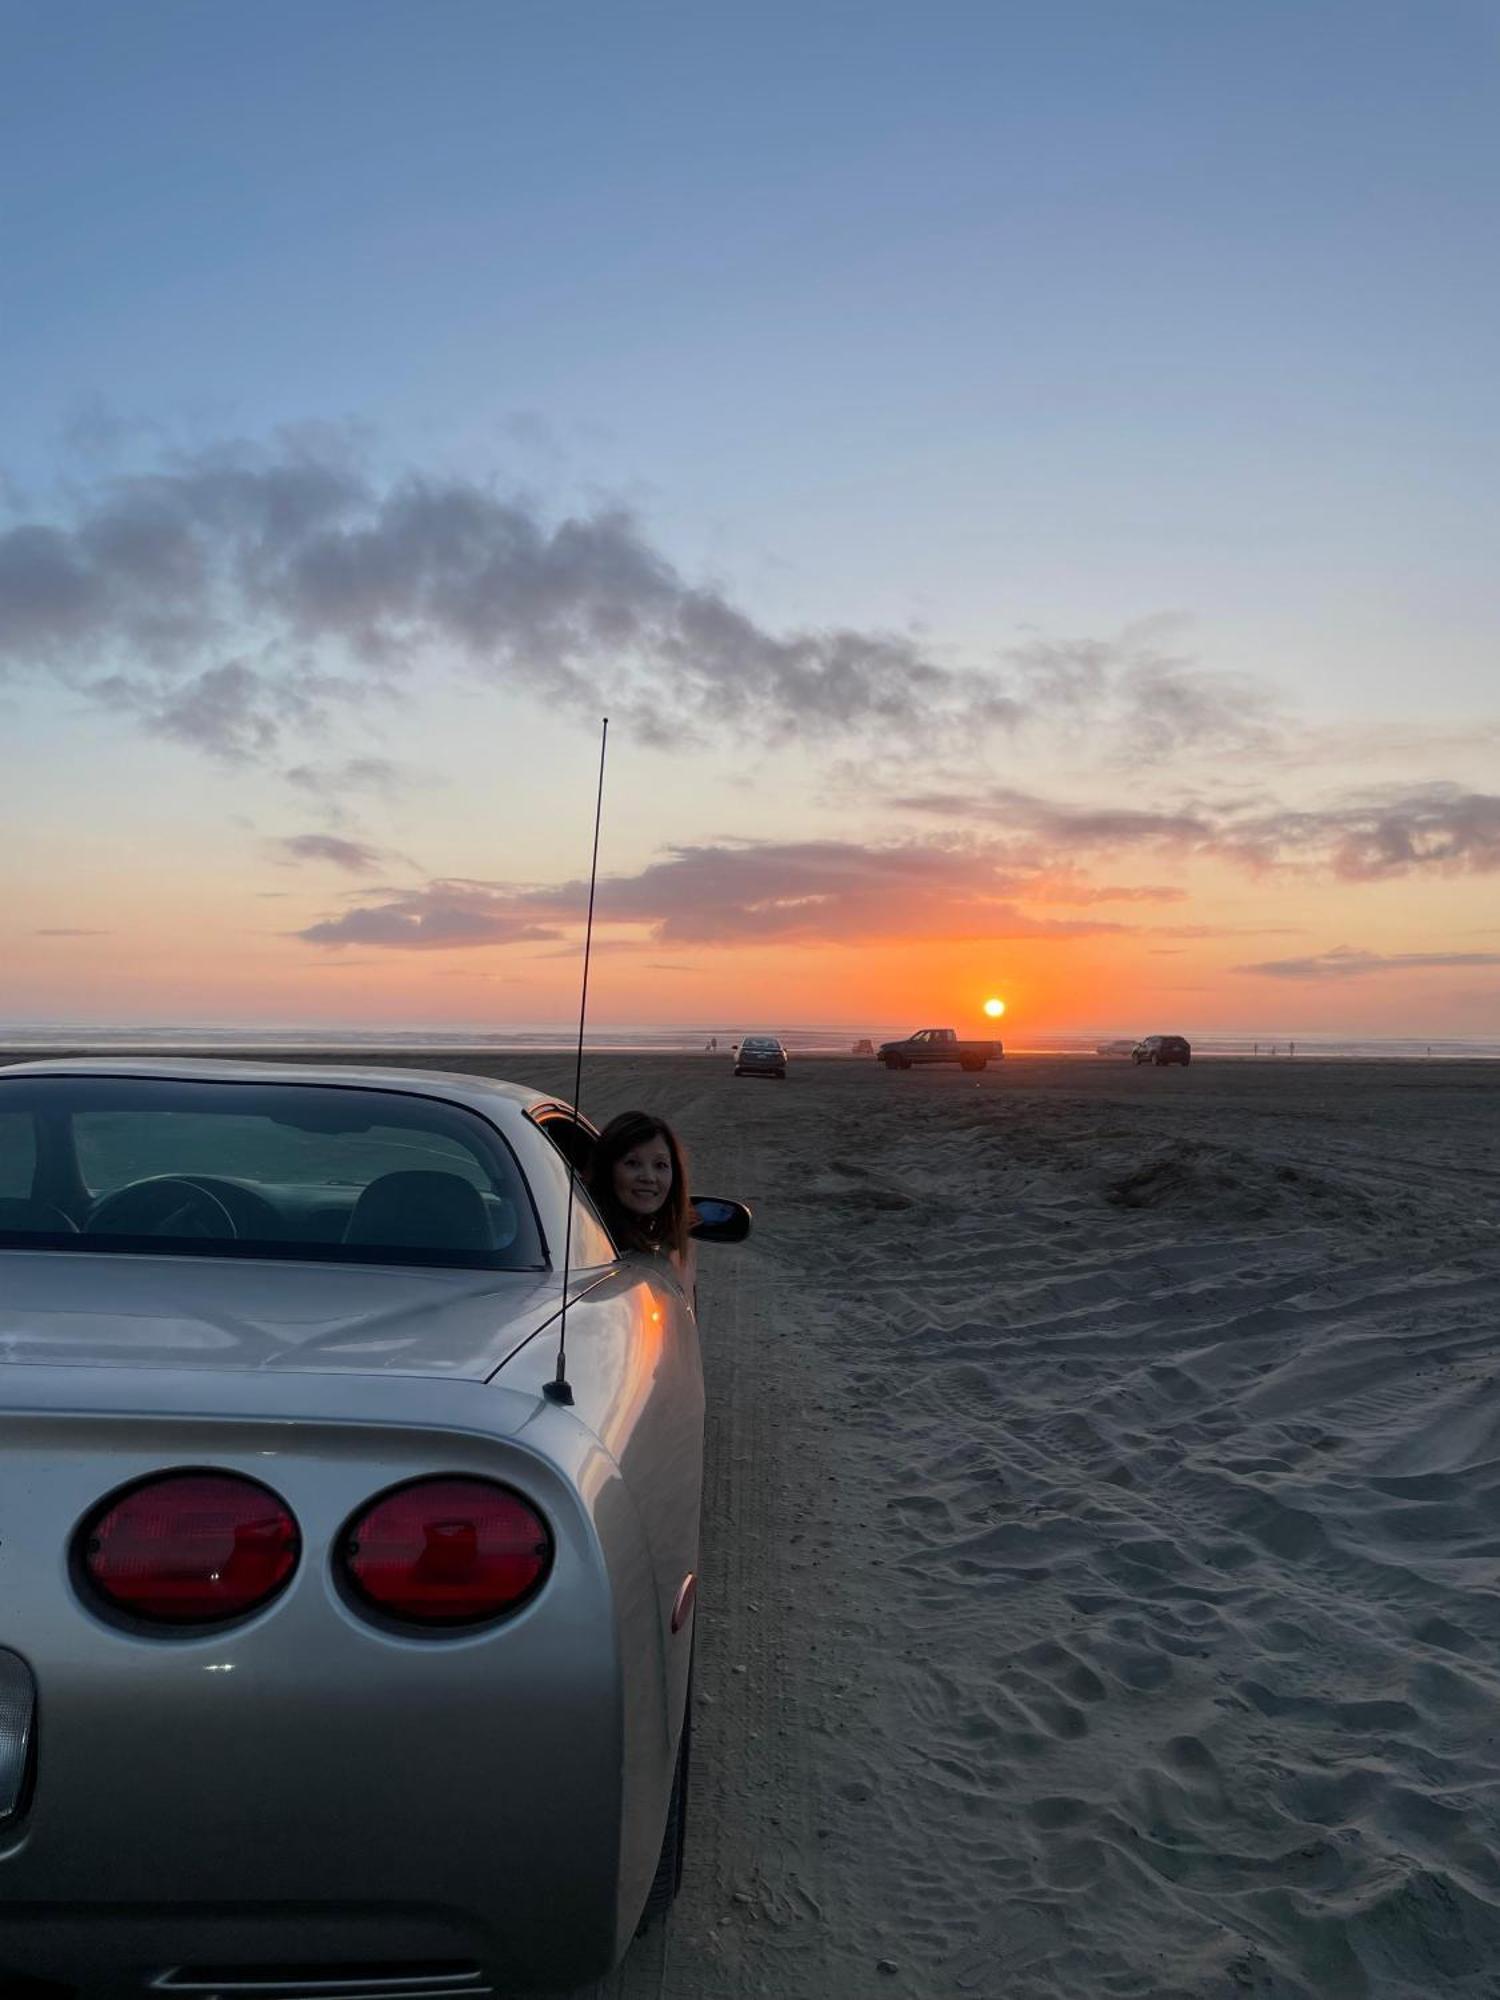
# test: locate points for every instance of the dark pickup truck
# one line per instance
(937, 1045)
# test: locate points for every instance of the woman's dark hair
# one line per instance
(668, 1228)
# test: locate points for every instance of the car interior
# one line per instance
(99, 1166)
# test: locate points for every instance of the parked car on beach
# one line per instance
(338, 1654)
(760, 1055)
(938, 1045)
(1161, 1050)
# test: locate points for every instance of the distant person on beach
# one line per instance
(638, 1178)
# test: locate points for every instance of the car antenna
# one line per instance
(559, 1389)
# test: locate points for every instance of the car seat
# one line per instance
(420, 1209)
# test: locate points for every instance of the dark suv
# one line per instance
(1162, 1049)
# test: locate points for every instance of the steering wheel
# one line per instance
(251, 1213)
(164, 1205)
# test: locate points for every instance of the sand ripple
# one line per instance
(1183, 1457)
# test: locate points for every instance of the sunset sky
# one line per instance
(1019, 476)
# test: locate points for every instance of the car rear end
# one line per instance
(326, 1782)
(760, 1057)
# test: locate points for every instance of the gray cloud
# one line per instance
(440, 916)
(813, 892)
(1139, 704)
(68, 930)
(358, 856)
(1433, 828)
(331, 782)
(1023, 815)
(229, 600)
(235, 600)
(1361, 837)
(1347, 962)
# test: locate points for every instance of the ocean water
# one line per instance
(836, 1039)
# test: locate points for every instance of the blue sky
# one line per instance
(971, 322)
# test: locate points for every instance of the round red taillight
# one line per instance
(191, 1548)
(448, 1552)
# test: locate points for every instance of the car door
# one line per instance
(662, 1462)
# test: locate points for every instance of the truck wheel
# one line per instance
(966, 1063)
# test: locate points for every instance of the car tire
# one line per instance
(668, 1878)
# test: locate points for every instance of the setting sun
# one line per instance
(994, 1008)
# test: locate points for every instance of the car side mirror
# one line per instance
(718, 1221)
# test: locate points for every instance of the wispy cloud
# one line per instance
(331, 783)
(1359, 837)
(1137, 702)
(358, 857)
(69, 930)
(739, 893)
(1348, 962)
(440, 916)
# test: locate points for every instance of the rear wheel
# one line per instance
(668, 1878)
(967, 1064)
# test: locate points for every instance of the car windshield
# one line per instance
(276, 1171)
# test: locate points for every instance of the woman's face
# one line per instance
(643, 1177)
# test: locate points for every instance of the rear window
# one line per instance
(258, 1170)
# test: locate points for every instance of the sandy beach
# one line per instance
(1102, 1534)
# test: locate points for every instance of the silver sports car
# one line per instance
(335, 1653)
